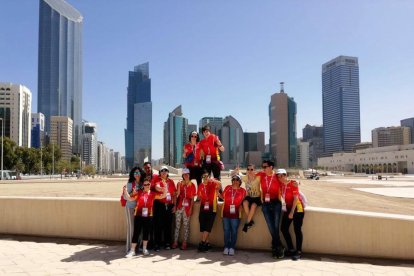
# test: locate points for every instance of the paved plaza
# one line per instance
(48, 256)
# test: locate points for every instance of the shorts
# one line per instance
(252, 200)
(206, 220)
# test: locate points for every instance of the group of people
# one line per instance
(155, 201)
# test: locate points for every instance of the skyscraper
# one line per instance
(38, 130)
(16, 112)
(409, 122)
(340, 103)
(232, 138)
(215, 124)
(313, 135)
(282, 114)
(90, 144)
(138, 133)
(175, 136)
(389, 136)
(60, 64)
(61, 129)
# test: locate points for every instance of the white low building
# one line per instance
(391, 159)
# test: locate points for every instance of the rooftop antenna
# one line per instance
(282, 88)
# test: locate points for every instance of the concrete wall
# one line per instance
(326, 231)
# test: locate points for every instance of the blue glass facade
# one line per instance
(175, 137)
(138, 133)
(341, 105)
(60, 64)
(292, 132)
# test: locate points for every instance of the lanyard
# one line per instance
(146, 198)
(233, 195)
(205, 191)
(267, 182)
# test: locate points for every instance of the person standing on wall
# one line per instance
(190, 160)
(272, 206)
(293, 210)
(209, 148)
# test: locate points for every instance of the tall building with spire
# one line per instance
(340, 104)
(282, 114)
(138, 133)
(60, 65)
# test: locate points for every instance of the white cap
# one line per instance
(164, 168)
(281, 171)
(185, 170)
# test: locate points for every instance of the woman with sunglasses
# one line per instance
(144, 200)
(134, 184)
(293, 210)
(207, 195)
(231, 212)
(185, 200)
(164, 210)
(252, 199)
(190, 160)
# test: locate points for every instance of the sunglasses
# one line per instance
(137, 173)
(205, 176)
(147, 184)
(194, 136)
(264, 167)
(250, 170)
(163, 171)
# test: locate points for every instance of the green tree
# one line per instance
(75, 161)
(48, 160)
(89, 170)
(10, 157)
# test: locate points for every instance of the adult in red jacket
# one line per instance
(164, 210)
(190, 160)
(207, 195)
(209, 148)
(144, 200)
(294, 211)
(233, 196)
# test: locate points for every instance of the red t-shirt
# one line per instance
(190, 149)
(187, 193)
(171, 190)
(269, 185)
(154, 178)
(209, 147)
(207, 193)
(144, 200)
(232, 197)
(289, 191)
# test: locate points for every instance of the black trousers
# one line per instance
(143, 224)
(163, 220)
(213, 167)
(195, 173)
(297, 226)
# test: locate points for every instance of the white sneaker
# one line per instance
(226, 251)
(145, 252)
(231, 252)
(130, 254)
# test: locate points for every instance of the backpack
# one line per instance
(303, 198)
(123, 200)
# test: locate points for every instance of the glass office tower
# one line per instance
(138, 133)
(60, 64)
(340, 103)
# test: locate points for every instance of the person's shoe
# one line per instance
(250, 224)
(226, 251)
(231, 251)
(274, 254)
(201, 247)
(280, 253)
(245, 227)
(297, 256)
(145, 252)
(208, 246)
(130, 254)
(174, 245)
(290, 253)
(183, 246)
(167, 247)
(156, 248)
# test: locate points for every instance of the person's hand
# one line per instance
(290, 215)
(173, 210)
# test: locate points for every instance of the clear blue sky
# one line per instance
(219, 58)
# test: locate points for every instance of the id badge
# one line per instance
(145, 212)
(185, 203)
(232, 209)
(206, 206)
(208, 159)
(284, 207)
(267, 197)
(168, 197)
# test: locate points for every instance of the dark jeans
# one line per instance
(213, 167)
(297, 226)
(230, 227)
(163, 220)
(272, 212)
(195, 173)
(144, 224)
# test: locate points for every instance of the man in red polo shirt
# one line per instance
(208, 152)
(272, 207)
